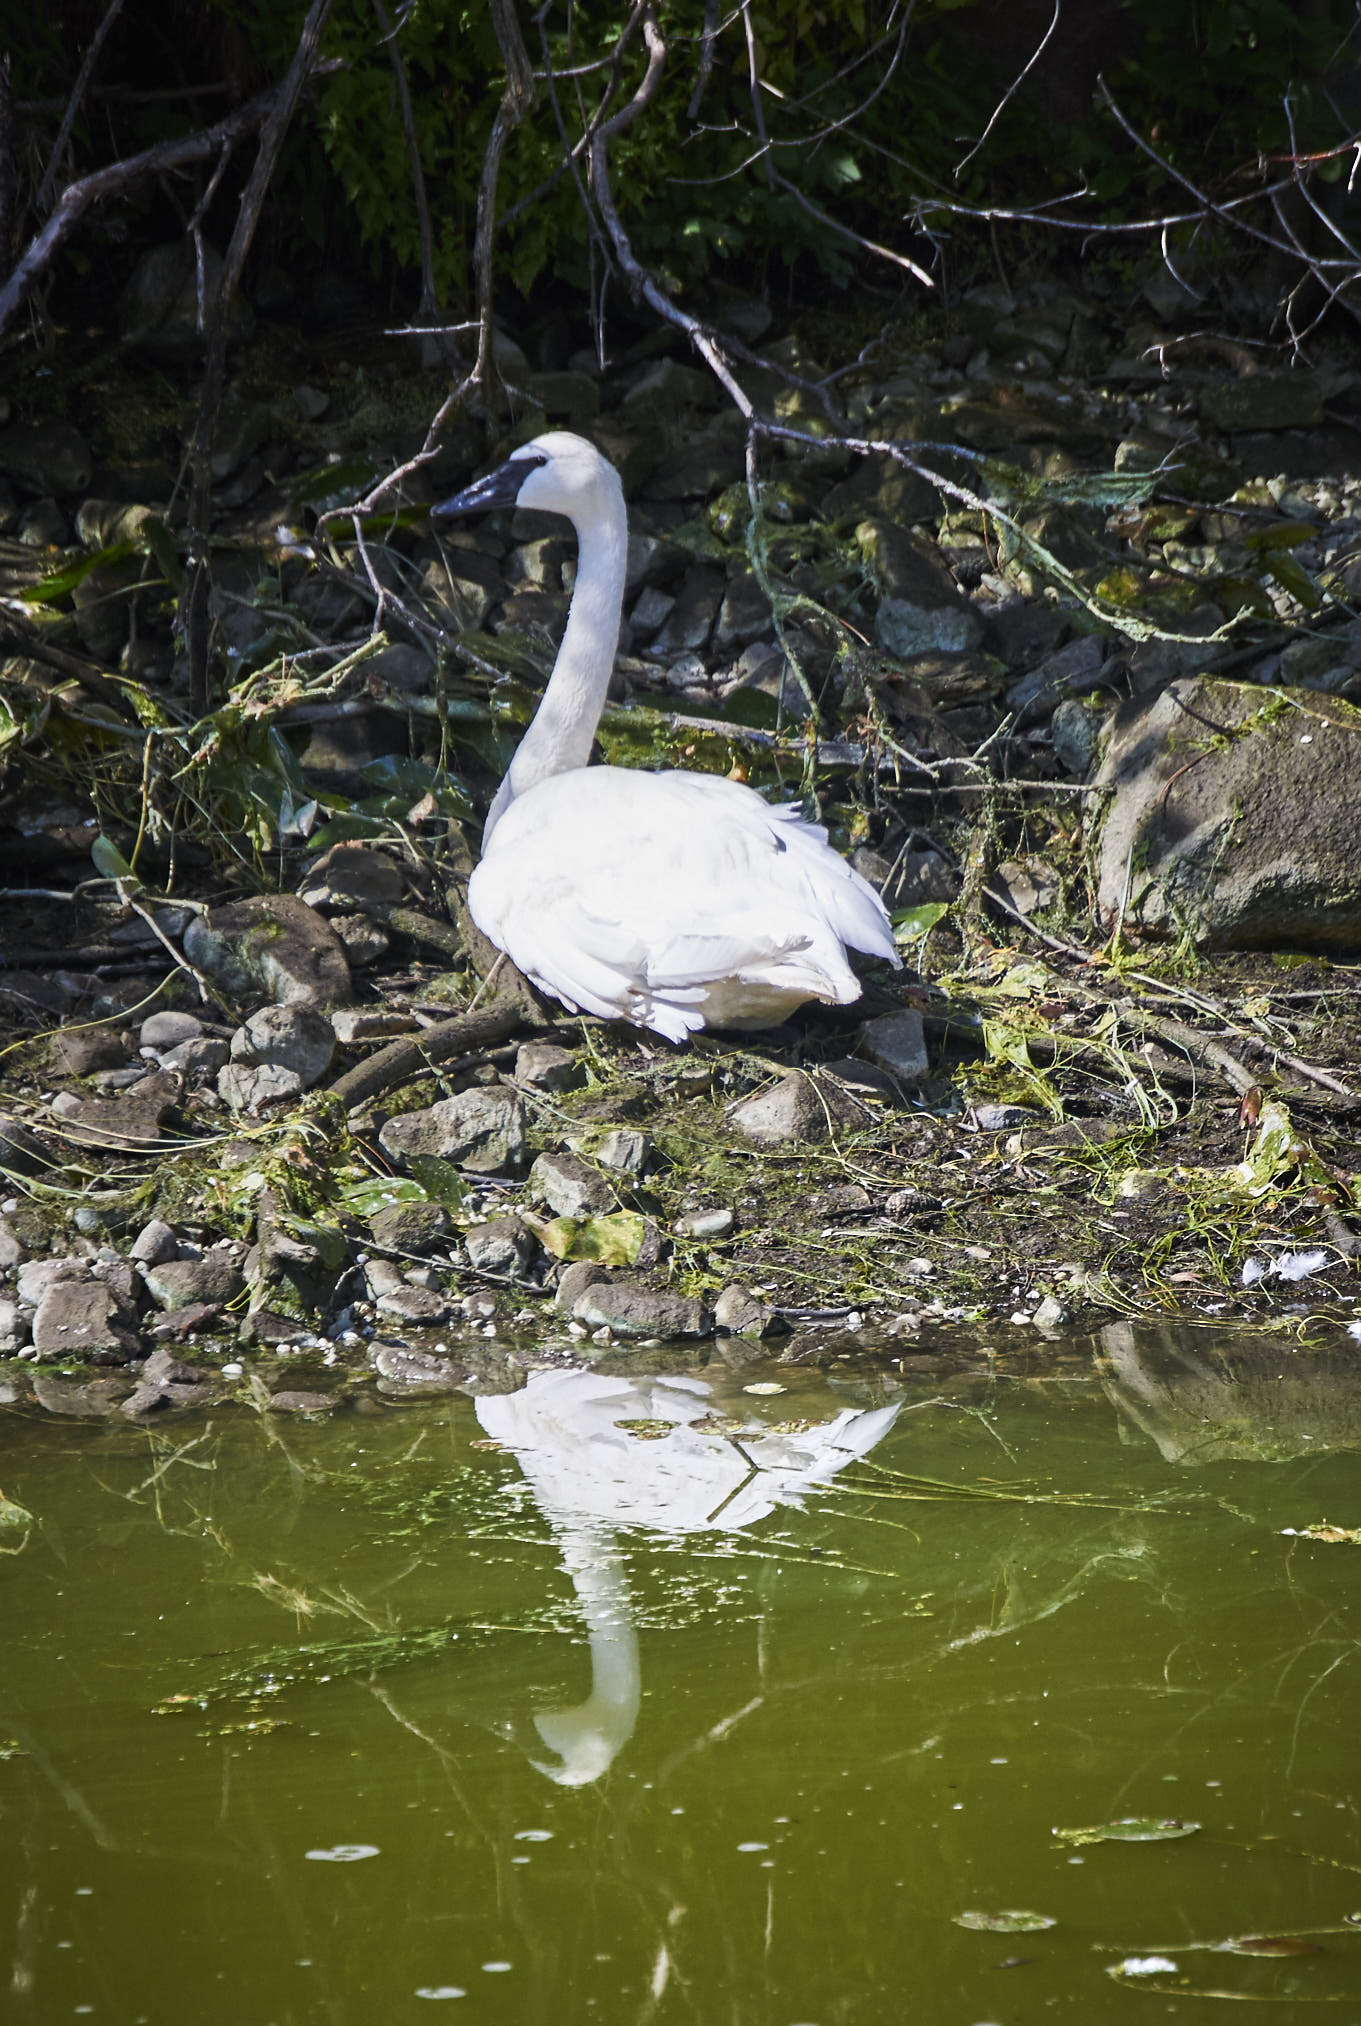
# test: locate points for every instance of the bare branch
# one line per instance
(73, 105)
(1009, 94)
(273, 127)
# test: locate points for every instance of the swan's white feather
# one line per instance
(634, 895)
(673, 900)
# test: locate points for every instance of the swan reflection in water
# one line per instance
(601, 1453)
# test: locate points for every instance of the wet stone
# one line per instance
(83, 1399)
(176, 1283)
(290, 1401)
(740, 1313)
(573, 1282)
(84, 1319)
(629, 1310)
(401, 1365)
(504, 1246)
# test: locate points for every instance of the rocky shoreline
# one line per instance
(1097, 748)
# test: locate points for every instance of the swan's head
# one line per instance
(556, 473)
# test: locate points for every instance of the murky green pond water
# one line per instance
(634, 1699)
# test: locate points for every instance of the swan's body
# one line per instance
(675, 900)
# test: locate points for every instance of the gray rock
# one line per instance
(567, 397)
(127, 1124)
(79, 1051)
(569, 1187)
(350, 873)
(401, 1365)
(15, 1328)
(879, 487)
(46, 457)
(288, 1037)
(652, 608)
(631, 1310)
(181, 1283)
(422, 1307)
(197, 1060)
(797, 1108)
(295, 1263)
(168, 1030)
(690, 621)
(154, 1244)
(411, 1227)
(1262, 401)
(652, 559)
(158, 309)
(1071, 668)
(36, 1276)
(289, 1400)
(1002, 1118)
(84, 1319)
(539, 563)
(364, 941)
(481, 1130)
(1234, 811)
(272, 943)
(13, 1251)
(542, 1065)
(716, 1223)
(166, 1382)
(255, 1087)
(744, 615)
(622, 1148)
(666, 388)
(1075, 729)
(897, 1043)
(740, 1313)
(465, 585)
(20, 1150)
(921, 608)
(573, 1282)
(1029, 884)
(504, 1245)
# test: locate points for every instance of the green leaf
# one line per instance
(440, 1180)
(913, 924)
(615, 1240)
(1008, 1921)
(62, 582)
(379, 1192)
(1130, 1829)
(109, 861)
(16, 1522)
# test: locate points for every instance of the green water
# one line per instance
(412, 1714)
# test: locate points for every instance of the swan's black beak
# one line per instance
(499, 488)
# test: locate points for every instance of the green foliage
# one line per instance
(861, 134)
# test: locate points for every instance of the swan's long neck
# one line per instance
(560, 736)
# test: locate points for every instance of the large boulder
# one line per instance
(1234, 813)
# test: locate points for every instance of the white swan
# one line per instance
(674, 900)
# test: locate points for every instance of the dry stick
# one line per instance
(116, 180)
(18, 637)
(465, 1034)
(7, 164)
(429, 305)
(194, 603)
(73, 105)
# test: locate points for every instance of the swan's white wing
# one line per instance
(633, 894)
